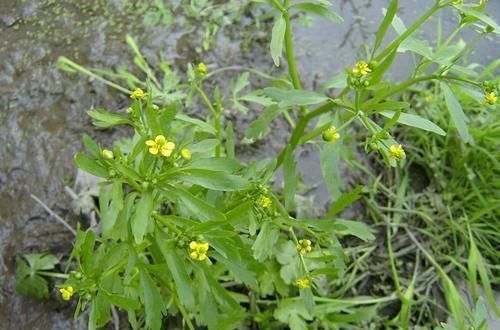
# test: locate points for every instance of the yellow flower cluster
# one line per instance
(361, 69)
(138, 94)
(303, 283)
(331, 135)
(304, 246)
(160, 145)
(202, 68)
(490, 98)
(396, 152)
(198, 250)
(265, 202)
(67, 293)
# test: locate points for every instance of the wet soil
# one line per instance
(42, 110)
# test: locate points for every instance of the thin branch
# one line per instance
(58, 218)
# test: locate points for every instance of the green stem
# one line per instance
(355, 302)
(215, 113)
(395, 44)
(165, 222)
(298, 132)
(52, 274)
(392, 261)
(93, 75)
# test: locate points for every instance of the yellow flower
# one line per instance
(428, 99)
(396, 152)
(67, 293)
(198, 250)
(202, 68)
(490, 98)
(361, 69)
(186, 154)
(108, 154)
(138, 94)
(304, 246)
(265, 202)
(331, 135)
(303, 283)
(160, 145)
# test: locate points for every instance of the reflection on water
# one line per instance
(42, 111)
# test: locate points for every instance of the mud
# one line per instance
(42, 110)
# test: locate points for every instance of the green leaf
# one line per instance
(265, 241)
(42, 261)
(456, 112)
(205, 146)
(317, 9)
(259, 126)
(415, 121)
(476, 265)
(355, 228)
(290, 177)
(345, 200)
(107, 119)
(91, 146)
(338, 81)
(90, 165)
(384, 26)
(215, 164)
(28, 283)
(230, 140)
(194, 205)
(278, 35)
(203, 126)
(477, 12)
(301, 97)
(183, 283)
(330, 157)
(140, 220)
(120, 300)
(212, 179)
(153, 305)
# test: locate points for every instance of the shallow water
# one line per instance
(42, 110)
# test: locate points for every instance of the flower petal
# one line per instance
(150, 143)
(160, 139)
(170, 145)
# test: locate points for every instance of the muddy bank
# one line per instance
(42, 110)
